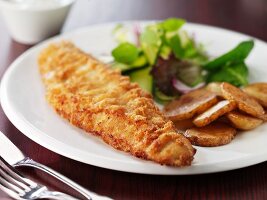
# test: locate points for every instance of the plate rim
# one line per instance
(27, 129)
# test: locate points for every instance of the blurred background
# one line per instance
(240, 15)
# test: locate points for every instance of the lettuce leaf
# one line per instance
(125, 53)
(236, 74)
(236, 55)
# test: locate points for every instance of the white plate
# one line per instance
(23, 101)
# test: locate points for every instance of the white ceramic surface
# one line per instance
(30, 24)
(22, 98)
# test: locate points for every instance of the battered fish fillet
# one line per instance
(98, 99)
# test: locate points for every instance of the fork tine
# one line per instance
(15, 174)
(12, 187)
(10, 179)
(9, 192)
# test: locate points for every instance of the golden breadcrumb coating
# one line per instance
(101, 101)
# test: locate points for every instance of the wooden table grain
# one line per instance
(247, 16)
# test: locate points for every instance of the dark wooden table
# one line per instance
(247, 16)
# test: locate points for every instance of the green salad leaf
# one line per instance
(121, 66)
(236, 74)
(236, 55)
(150, 42)
(184, 47)
(172, 24)
(143, 78)
(162, 98)
(125, 53)
(165, 53)
(141, 61)
(154, 39)
(176, 46)
(231, 67)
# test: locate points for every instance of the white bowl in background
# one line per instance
(31, 21)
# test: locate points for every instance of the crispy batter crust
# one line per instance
(103, 102)
(264, 117)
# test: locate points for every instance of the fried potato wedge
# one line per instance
(214, 87)
(214, 113)
(190, 104)
(183, 125)
(258, 91)
(243, 121)
(244, 102)
(215, 134)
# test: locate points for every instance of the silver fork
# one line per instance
(15, 158)
(21, 188)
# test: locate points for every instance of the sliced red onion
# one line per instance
(181, 87)
(137, 33)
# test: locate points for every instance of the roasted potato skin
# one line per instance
(244, 102)
(215, 87)
(257, 91)
(183, 125)
(243, 121)
(214, 113)
(211, 116)
(212, 135)
(190, 104)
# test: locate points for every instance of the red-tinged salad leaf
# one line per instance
(137, 33)
(165, 71)
(190, 73)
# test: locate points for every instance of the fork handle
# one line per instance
(89, 195)
(55, 195)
